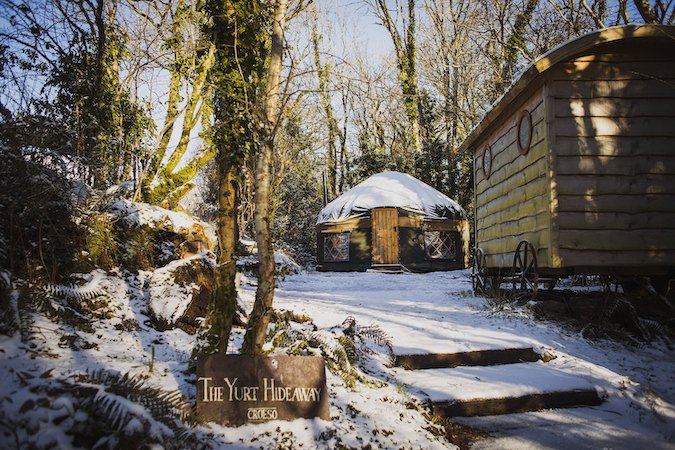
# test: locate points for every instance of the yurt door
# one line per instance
(385, 236)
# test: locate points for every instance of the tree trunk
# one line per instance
(646, 11)
(322, 74)
(262, 309)
(224, 304)
(407, 74)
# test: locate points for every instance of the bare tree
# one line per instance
(659, 12)
(262, 308)
(323, 76)
(405, 46)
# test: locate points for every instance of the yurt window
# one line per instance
(487, 161)
(440, 244)
(524, 132)
(336, 247)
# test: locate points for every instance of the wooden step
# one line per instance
(473, 358)
(386, 268)
(510, 405)
(499, 389)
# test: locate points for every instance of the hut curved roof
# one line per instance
(564, 52)
(391, 190)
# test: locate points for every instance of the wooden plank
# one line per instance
(551, 174)
(614, 145)
(385, 236)
(643, 239)
(510, 180)
(349, 225)
(538, 222)
(616, 221)
(617, 165)
(508, 244)
(619, 88)
(474, 358)
(614, 107)
(620, 126)
(505, 151)
(503, 261)
(519, 211)
(636, 260)
(500, 201)
(504, 137)
(450, 225)
(636, 204)
(614, 70)
(431, 225)
(510, 169)
(499, 252)
(611, 184)
(496, 235)
(510, 405)
(643, 55)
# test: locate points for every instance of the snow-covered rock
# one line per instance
(179, 293)
(135, 214)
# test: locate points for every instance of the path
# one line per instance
(437, 313)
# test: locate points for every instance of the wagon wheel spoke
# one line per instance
(525, 270)
(479, 272)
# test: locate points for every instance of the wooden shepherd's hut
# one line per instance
(577, 159)
(392, 221)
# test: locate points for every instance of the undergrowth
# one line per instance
(346, 348)
(96, 410)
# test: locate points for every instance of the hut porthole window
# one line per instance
(487, 161)
(524, 132)
(440, 244)
(336, 247)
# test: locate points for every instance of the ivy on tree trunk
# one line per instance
(262, 308)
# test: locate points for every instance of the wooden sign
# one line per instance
(239, 389)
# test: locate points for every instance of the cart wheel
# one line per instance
(525, 269)
(479, 273)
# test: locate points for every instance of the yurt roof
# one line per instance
(391, 190)
(564, 52)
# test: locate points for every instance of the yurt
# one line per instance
(392, 221)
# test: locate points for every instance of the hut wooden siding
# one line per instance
(597, 187)
(515, 198)
(614, 147)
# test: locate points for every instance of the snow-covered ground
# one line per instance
(385, 408)
(436, 312)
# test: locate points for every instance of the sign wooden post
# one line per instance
(239, 389)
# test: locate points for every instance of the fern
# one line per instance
(111, 402)
(4, 247)
(164, 405)
(89, 291)
(370, 332)
(344, 353)
(337, 358)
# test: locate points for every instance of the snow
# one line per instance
(391, 190)
(136, 214)
(433, 312)
(470, 383)
(169, 300)
(436, 312)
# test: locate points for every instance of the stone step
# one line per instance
(473, 358)
(501, 389)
